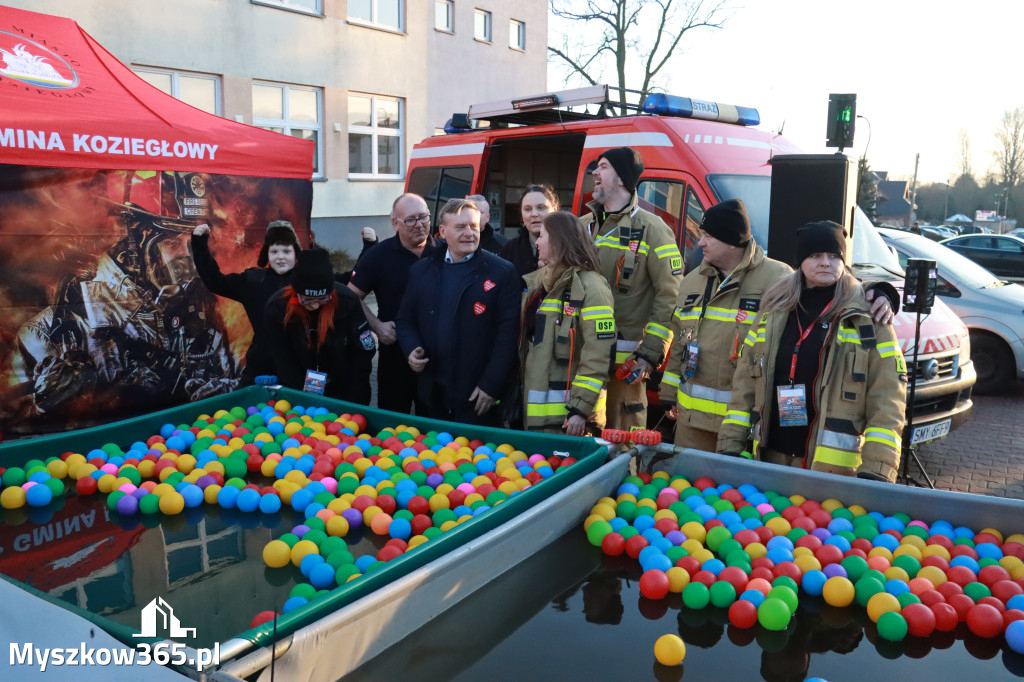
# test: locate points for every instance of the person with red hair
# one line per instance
(317, 334)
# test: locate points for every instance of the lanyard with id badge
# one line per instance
(793, 398)
(316, 381)
(692, 348)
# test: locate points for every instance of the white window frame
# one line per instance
(176, 82)
(291, 6)
(488, 25)
(376, 132)
(374, 13)
(449, 6)
(517, 35)
(288, 125)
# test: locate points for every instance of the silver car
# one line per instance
(992, 309)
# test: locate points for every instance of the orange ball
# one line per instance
(380, 523)
(878, 563)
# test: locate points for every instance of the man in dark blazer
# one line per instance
(459, 322)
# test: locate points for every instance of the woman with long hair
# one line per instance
(819, 384)
(535, 203)
(568, 337)
(317, 334)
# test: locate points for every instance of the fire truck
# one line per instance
(696, 153)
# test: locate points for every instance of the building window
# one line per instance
(444, 15)
(517, 35)
(200, 90)
(482, 26)
(290, 109)
(383, 13)
(304, 6)
(374, 136)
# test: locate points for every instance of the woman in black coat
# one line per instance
(535, 204)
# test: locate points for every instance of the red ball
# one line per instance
(961, 575)
(262, 617)
(688, 564)
(804, 523)
(862, 544)
(713, 523)
(706, 577)
(994, 603)
(764, 534)
(485, 489)
(963, 604)
(855, 551)
(732, 495)
(746, 536)
(828, 554)
(946, 618)
(653, 584)
(810, 506)
(388, 552)
(789, 570)
(362, 503)
(1011, 615)
(419, 523)
(1013, 549)
(1004, 590)
(743, 613)
(821, 517)
(991, 574)
(646, 478)
(929, 597)
(418, 505)
(811, 542)
(986, 538)
(397, 542)
(735, 576)
(254, 462)
(387, 504)
(792, 513)
(935, 560)
(86, 485)
(701, 484)
(613, 544)
(635, 544)
(568, 461)
(762, 573)
(920, 619)
(985, 621)
(456, 497)
(962, 550)
(948, 589)
(533, 477)
(763, 562)
(666, 526)
(940, 540)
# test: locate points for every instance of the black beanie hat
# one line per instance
(728, 222)
(821, 237)
(278, 232)
(313, 275)
(627, 164)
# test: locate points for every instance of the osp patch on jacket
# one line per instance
(479, 308)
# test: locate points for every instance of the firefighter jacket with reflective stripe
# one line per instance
(859, 393)
(717, 327)
(642, 264)
(566, 361)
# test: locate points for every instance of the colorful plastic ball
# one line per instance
(248, 500)
(892, 626)
(270, 503)
(696, 595)
(985, 620)
(881, 603)
(261, 618)
(946, 617)
(14, 497)
(128, 505)
(276, 554)
(813, 582)
(722, 594)
(321, 575)
(294, 603)
(773, 614)
(743, 613)
(38, 496)
(1015, 636)
(613, 544)
(838, 591)
(654, 584)
(670, 650)
(172, 503)
(920, 620)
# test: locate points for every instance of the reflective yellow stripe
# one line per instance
(737, 417)
(755, 336)
(597, 311)
(839, 458)
(888, 349)
(594, 385)
(667, 251)
(690, 314)
(849, 336)
(658, 330)
(670, 378)
(642, 249)
(884, 436)
(546, 410)
(622, 356)
(700, 405)
(549, 306)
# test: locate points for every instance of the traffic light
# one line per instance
(842, 117)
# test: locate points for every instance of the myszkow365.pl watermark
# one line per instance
(144, 653)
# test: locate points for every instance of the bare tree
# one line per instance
(965, 153)
(1010, 152)
(616, 39)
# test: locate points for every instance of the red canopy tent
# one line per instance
(67, 102)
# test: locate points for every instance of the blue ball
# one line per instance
(321, 575)
(193, 495)
(779, 554)
(628, 489)
(755, 597)
(839, 524)
(753, 523)
(98, 454)
(301, 499)
(887, 541)
(275, 428)
(962, 532)
(729, 517)
(462, 510)
(40, 476)
(813, 582)
(38, 496)
(294, 603)
(248, 500)
(167, 430)
(657, 561)
(312, 509)
(643, 522)
(227, 496)
(1015, 636)
(840, 542)
(444, 438)
(896, 587)
(663, 543)
(988, 550)
(964, 560)
(363, 562)
(1016, 602)
(308, 561)
(481, 509)
(652, 534)
(714, 566)
(780, 541)
(402, 529)
(647, 552)
(618, 523)
(270, 503)
(706, 512)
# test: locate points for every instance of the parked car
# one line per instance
(1017, 232)
(992, 309)
(936, 234)
(1000, 253)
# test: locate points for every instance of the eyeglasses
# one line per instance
(413, 220)
(309, 300)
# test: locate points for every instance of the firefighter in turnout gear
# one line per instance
(641, 262)
(819, 384)
(568, 339)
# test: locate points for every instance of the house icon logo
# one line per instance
(160, 610)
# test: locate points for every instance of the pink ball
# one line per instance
(764, 508)
(466, 488)
(27, 484)
(669, 492)
(534, 459)
(918, 523)
(109, 468)
(331, 484)
(128, 488)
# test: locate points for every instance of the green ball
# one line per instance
(375, 566)
(842, 513)
(987, 561)
(316, 523)
(786, 595)
(645, 511)
(403, 514)
(786, 581)
(304, 590)
(855, 567)
(432, 532)
(628, 531)
(315, 536)
(674, 553)
(908, 564)
(908, 598)
(330, 545)
(289, 539)
(916, 530)
(595, 532)
(442, 515)
(722, 594)
(977, 590)
(866, 588)
(347, 485)
(723, 505)
(325, 498)
(740, 559)
(749, 512)
(112, 499)
(132, 474)
(773, 614)
(344, 572)
(716, 536)
(149, 504)
(340, 557)
(727, 547)
(55, 485)
(795, 534)
(892, 626)
(626, 510)
(696, 595)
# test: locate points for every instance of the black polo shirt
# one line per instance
(384, 270)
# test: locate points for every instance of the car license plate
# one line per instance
(923, 434)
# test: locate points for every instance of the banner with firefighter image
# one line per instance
(102, 313)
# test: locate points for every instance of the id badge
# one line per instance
(315, 382)
(792, 405)
(690, 367)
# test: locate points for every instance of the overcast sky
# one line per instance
(922, 71)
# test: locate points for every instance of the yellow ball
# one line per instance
(880, 603)
(831, 504)
(417, 540)
(337, 526)
(695, 531)
(807, 562)
(670, 650)
(277, 553)
(301, 549)
(172, 503)
(838, 591)
(678, 578)
(58, 468)
(12, 498)
(933, 573)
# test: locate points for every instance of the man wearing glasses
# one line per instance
(459, 322)
(384, 270)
